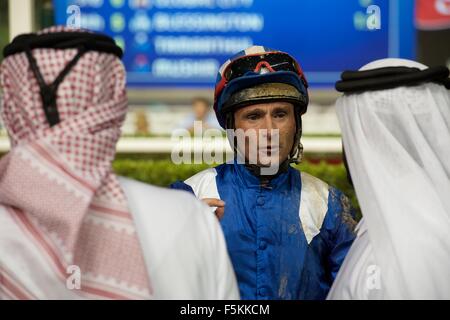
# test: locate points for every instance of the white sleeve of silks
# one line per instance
(359, 276)
(204, 185)
(183, 245)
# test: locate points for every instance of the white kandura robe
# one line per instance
(397, 144)
(182, 243)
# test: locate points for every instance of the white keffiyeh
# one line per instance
(397, 144)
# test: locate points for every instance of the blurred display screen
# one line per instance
(182, 43)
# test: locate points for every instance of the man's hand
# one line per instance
(219, 204)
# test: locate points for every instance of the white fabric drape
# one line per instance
(397, 144)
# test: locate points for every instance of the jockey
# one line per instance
(287, 232)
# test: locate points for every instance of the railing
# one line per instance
(166, 145)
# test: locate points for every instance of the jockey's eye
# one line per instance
(280, 114)
(254, 115)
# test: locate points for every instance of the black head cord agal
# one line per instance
(83, 41)
(388, 78)
(391, 77)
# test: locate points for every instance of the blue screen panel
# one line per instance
(182, 43)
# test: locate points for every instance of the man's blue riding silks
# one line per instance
(287, 239)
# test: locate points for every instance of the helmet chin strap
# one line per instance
(296, 154)
(297, 157)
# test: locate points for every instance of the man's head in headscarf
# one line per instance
(396, 133)
(59, 178)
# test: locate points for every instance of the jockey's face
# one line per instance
(269, 131)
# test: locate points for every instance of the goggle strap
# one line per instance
(263, 62)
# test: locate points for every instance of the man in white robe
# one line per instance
(69, 227)
(397, 144)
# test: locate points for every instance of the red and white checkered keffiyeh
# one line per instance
(58, 183)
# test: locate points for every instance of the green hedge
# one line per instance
(164, 172)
